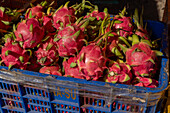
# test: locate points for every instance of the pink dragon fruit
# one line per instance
(69, 40)
(123, 25)
(145, 82)
(141, 58)
(29, 33)
(36, 11)
(119, 73)
(63, 16)
(47, 53)
(71, 68)
(14, 56)
(4, 19)
(96, 18)
(98, 15)
(91, 62)
(142, 33)
(48, 25)
(53, 70)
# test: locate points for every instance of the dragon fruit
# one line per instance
(82, 41)
(69, 40)
(96, 18)
(63, 17)
(36, 11)
(47, 53)
(91, 62)
(29, 33)
(145, 82)
(71, 68)
(53, 70)
(141, 58)
(4, 19)
(119, 73)
(13, 55)
(98, 15)
(123, 25)
(48, 25)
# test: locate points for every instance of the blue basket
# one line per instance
(31, 92)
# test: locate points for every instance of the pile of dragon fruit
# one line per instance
(79, 41)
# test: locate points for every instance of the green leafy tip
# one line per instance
(9, 67)
(7, 52)
(21, 58)
(31, 28)
(158, 53)
(6, 22)
(72, 65)
(135, 39)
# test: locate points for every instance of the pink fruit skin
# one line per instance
(119, 73)
(64, 15)
(141, 60)
(46, 56)
(125, 27)
(13, 56)
(53, 70)
(48, 25)
(36, 11)
(91, 62)
(68, 43)
(29, 38)
(143, 34)
(97, 14)
(72, 71)
(4, 17)
(146, 82)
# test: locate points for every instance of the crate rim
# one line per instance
(161, 87)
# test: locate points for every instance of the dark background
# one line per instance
(114, 6)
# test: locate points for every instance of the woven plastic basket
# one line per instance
(31, 92)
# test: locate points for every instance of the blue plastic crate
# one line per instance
(31, 92)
